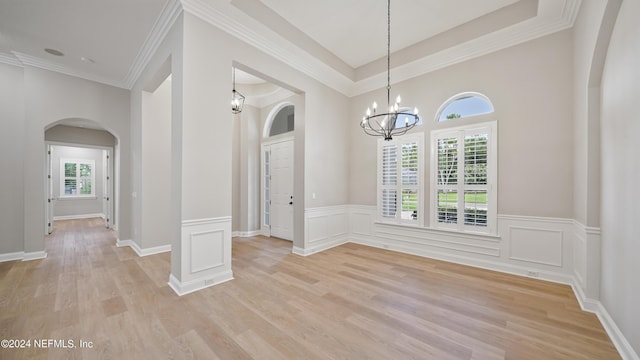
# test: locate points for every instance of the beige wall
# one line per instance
(80, 136)
(155, 228)
(246, 170)
(621, 174)
(530, 88)
(12, 128)
(74, 206)
(35, 99)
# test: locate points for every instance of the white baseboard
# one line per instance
(325, 245)
(617, 337)
(140, 251)
(79, 216)
(244, 234)
(24, 256)
(36, 255)
(19, 255)
(187, 287)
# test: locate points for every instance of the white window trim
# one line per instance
(492, 179)
(399, 140)
(460, 96)
(62, 194)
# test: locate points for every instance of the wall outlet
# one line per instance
(533, 274)
(209, 282)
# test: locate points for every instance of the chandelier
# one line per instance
(237, 99)
(386, 124)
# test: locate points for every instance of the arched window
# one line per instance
(464, 105)
(283, 121)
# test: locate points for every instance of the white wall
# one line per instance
(154, 192)
(246, 171)
(12, 129)
(77, 207)
(620, 288)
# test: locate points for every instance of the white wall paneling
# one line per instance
(539, 246)
(206, 255)
(529, 246)
(587, 265)
(325, 227)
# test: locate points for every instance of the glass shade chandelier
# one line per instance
(385, 124)
(237, 99)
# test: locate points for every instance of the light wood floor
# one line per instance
(349, 302)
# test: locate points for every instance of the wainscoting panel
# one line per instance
(207, 250)
(205, 255)
(534, 245)
(325, 227)
(530, 246)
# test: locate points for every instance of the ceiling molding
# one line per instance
(160, 29)
(273, 44)
(516, 34)
(553, 16)
(263, 100)
(9, 59)
(28, 60)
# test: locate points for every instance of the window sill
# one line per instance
(493, 236)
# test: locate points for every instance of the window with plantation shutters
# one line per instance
(400, 179)
(77, 178)
(464, 170)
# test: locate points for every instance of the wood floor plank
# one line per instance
(348, 302)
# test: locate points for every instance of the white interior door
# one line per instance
(49, 194)
(107, 202)
(282, 202)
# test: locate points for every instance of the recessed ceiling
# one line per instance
(356, 30)
(340, 43)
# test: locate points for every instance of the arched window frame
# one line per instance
(271, 117)
(460, 96)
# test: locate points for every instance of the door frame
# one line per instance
(48, 193)
(265, 229)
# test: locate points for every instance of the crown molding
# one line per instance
(28, 60)
(9, 59)
(272, 97)
(548, 21)
(270, 43)
(553, 16)
(160, 29)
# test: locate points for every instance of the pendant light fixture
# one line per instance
(237, 99)
(386, 124)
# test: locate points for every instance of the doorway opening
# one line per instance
(80, 179)
(265, 161)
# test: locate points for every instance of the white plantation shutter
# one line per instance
(475, 178)
(400, 179)
(389, 180)
(77, 178)
(464, 174)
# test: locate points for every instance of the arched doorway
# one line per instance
(81, 172)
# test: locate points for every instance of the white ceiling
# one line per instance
(337, 42)
(356, 30)
(110, 32)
